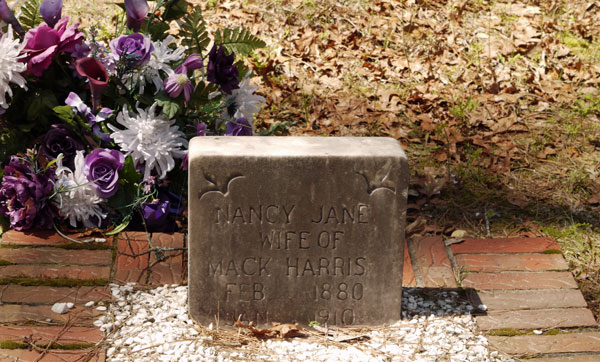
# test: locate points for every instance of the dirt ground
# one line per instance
(495, 102)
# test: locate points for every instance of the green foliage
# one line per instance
(277, 129)
(174, 9)
(193, 32)
(238, 40)
(170, 107)
(124, 200)
(158, 31)
(30, 14)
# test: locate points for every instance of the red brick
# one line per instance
(53, 271)
(432, 262)
(47, 334)
(537, 318)
(511, 262)
(20, 314)
(41, 237)
(503, 246)
(166, 273)
(497, 300)
(131, 251)
(130, 276)
(522, 280)
(560, 343)
(52, 356)
(174, 241)
(408, 275)
(50, 295)
(56, 256)
(569, 358)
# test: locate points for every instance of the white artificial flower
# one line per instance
(150, 139)
(242, 103)
(76, 197)
(160, 59)
(10, 66)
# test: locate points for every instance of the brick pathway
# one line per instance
(525, 284)
(38, 270)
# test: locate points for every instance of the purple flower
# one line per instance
(9, 17)
(135, 48)
(51, 11)
(102, 167)
(60, 139)
(179, 80)
(156, 213)
(200, 129)
(24, 195)
(136, 11)
(43, 42)
(241, 127)
(221, 70)
(95, 72)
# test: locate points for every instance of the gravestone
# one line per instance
(296, 229)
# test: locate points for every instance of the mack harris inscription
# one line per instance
(296, 229)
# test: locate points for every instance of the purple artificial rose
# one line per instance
(60, 139)
(102, 167)
(221, 70)
(51, 11)
(135, 47)
(136, 11)
(43, 42)
(24, 195)
(241, 127)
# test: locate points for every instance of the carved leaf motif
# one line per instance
(378, 181)
(217, 185)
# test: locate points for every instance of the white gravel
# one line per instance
(154, 325)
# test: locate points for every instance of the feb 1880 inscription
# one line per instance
(296, 229)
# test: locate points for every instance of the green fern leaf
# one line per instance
(193, 32)
(238, 40)
(30, 14)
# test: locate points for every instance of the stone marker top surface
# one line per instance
(296, 146)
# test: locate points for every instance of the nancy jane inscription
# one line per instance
(282, 214)
(272, 215)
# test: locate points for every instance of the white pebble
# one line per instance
(90, 303)
(60, 308)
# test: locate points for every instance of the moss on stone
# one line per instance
(60, 346)
(12, 345)
(552, 251)
(5, 262)
(59, 282)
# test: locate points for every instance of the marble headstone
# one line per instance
(296, 229)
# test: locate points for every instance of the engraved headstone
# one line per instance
(296, 229)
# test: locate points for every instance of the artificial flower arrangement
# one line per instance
(94, 132)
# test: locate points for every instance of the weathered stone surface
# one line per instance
(537, 318)
(52, 355)
(497, 300)
(296, 229)
(408, 274)
(18, 313)
(47, 334)
(511, 262)
(56, 256)
(579, 357)
(49, 295)
(505, 246)
(83, 272)
(560, 343)
(522, 280)
(50, 238)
